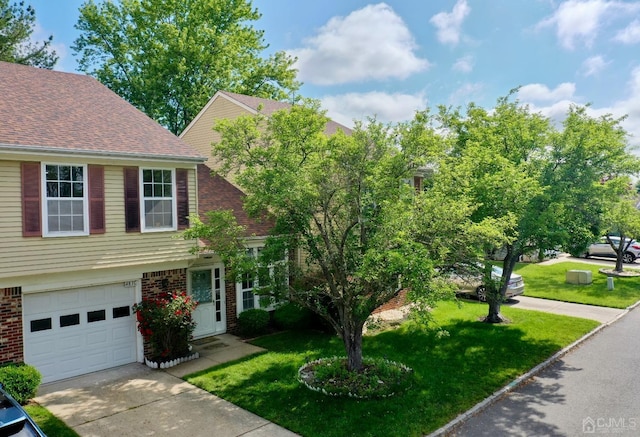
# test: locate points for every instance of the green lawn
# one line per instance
(548, 281)
(452, 373)
(50, 424)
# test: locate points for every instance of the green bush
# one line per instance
(21, 381)
(253, 322)
(292, 316)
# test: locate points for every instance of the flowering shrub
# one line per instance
(166, 323)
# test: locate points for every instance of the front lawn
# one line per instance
(549, 282)
(50, 424)
(452, 373)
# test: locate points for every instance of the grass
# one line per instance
(452, 373)
(50, 424)
(549, 282)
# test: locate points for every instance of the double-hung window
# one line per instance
(65, 208)
(275, 275)
(158, 206)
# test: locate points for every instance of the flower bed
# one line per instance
(378, 378)
(170, 363)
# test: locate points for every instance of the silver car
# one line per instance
(472, 284)
(604, 249)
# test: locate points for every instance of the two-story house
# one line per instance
(94, 195)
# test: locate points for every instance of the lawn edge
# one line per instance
(521, 380)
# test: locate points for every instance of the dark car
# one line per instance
(14, 421)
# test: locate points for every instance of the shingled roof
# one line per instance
(44, 110)
(266, 107)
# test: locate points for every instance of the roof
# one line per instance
(52, 111)
(265, 106)
(216, 193)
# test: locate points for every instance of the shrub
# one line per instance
(292, 316)
(253, 322)
(21, 381)
(167, 324)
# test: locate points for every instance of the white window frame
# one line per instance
(256, 297)
(174, 202)
(45, 204)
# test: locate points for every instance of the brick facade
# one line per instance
(157, 284)
(231, 303)
(11, 335)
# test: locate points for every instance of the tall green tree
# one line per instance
(342, 203)
(548, 187)
(622, 218)
(168, 57)
(16, 28)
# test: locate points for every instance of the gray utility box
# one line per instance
(581, 277)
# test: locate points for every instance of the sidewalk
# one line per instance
(135, 400)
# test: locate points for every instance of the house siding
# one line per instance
(201, 134)
(21, 256)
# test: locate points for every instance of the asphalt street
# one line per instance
(594, 389)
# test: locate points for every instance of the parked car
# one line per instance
(603, 248)
(14, 421)
(471, 284)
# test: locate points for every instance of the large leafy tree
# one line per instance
(341, 202)
(16, 27)
(622, 218)
(548, 187)
(168, 57)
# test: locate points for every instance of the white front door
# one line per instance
(207, 288)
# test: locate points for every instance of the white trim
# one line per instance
(174, 202)
(44, 201)
(209, 103)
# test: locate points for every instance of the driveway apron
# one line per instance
(134, 400)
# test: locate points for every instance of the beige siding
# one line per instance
(201, 134)
(20, 256)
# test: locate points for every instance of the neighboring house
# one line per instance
(94, 194)
(216, 193)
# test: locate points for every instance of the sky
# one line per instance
(390, 59)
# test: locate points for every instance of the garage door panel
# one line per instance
(85, 333)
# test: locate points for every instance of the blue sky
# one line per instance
(392, 58)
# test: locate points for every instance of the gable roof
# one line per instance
(255, 104)
(51, 111)
(216, 193)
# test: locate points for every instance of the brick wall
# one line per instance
(397, 301)
(157, 284)
(11, 336)
(232, 305)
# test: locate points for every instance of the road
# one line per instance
(594, 389)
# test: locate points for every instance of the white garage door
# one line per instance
(72, 332)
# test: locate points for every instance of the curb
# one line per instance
(521, 380)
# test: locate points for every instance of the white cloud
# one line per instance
(464, 64)
(537, 92)
(397, 107)
(581, 20)
(466, 93)
(449, 25)
(594, 65)
(370, 43)
(630, 34)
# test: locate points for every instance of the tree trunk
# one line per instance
(495, 302)
(352, 338)
(619, 267)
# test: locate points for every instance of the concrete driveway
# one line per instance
(134, 400)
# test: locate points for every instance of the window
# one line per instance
(41, 324)
(96, 316)
(62, 200)
(245, 295)
(69, 320)
(121, 312)
(65, 208)
(158, 208)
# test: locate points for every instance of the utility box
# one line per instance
(581, 277)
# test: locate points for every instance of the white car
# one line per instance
(472, 284)
(604, 249)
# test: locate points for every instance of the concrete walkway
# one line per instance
(601, 314)
(134, 400)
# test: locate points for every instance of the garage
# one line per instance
(72, 332)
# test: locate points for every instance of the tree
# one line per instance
(341, 202)
(546, 187)
(16, 27)
(168, 57)
(621, 218)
